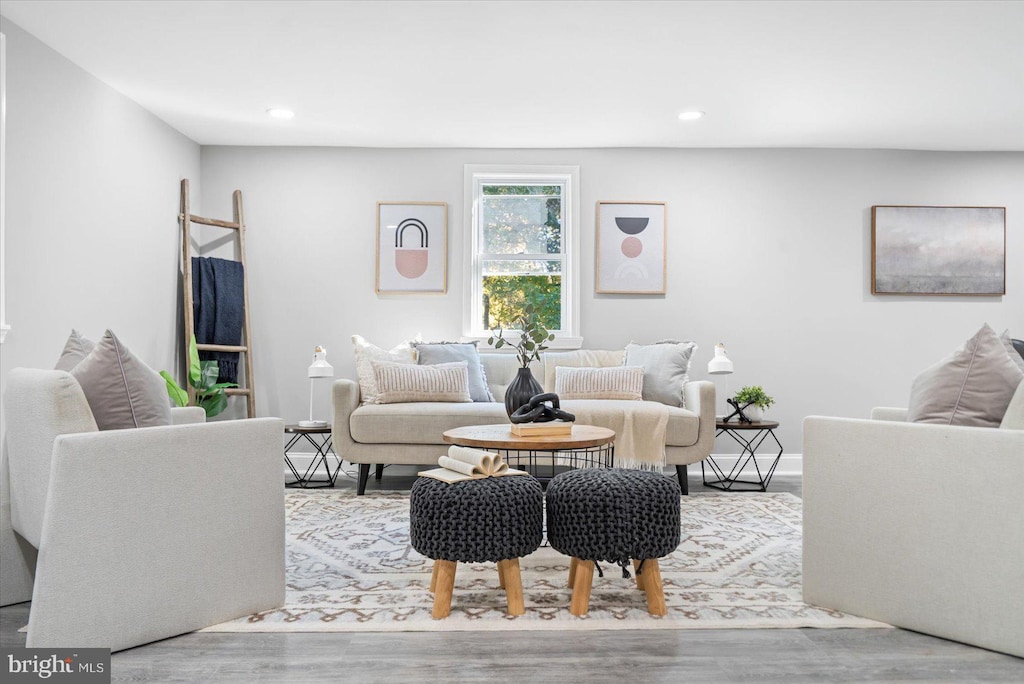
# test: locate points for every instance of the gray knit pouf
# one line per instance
(475, 521)
(613, 514)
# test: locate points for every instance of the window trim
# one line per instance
(477, 175)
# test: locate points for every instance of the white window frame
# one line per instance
(476, 176)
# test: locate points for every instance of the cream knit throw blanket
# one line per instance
(639, 429)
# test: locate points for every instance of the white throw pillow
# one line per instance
(972, 387)
(404, 382)
(620, 382)
(366, 354)
(666, 368)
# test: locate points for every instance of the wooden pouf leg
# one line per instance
(443, 588)
(433, 578)
(501, 574)
(582, 581)
(513, 585)
(573, 564)
(636, 573)
(653, 589)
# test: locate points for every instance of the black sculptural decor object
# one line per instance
(519, 392)
(738, 412)
(537, 410)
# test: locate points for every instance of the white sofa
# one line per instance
(412, 433)
(917, 525)
(141, 534)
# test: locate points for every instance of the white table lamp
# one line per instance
(318, 369)
(720, 365)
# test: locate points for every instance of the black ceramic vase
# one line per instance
(522, 388)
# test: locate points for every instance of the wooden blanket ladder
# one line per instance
(245, 349)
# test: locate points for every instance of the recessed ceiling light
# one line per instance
(280, 113)
(691, 115)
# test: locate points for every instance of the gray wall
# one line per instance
(769, 252)
(92, 236)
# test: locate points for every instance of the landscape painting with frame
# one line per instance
(938, 250)
(630, 248)
(412, 248)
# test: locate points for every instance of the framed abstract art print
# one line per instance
(412, 248)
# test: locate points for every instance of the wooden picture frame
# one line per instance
(630, 251)
(939, 251)
(412, 248)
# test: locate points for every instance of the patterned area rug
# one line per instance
(350, 568)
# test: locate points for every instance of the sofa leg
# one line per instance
(684, 484)
(380, 471)
(364, 475)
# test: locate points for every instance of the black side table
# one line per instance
(727, 483)
(320, 439)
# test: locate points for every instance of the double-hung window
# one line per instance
(522, 251)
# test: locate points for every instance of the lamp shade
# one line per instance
(320, 368)
(721, 364)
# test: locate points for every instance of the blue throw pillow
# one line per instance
(448, 352)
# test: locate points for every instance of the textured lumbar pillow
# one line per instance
(406, 382)
(75, 349)
(122, 391)
(666, 368)
(620, 382)
(580, 358)
(366, 354)
(449, 352)
(972, 387)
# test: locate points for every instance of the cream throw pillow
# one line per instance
(972, 387)
(588, 358)
(404, 382)
(366, 354)
(620, 382)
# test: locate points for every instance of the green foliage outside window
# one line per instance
(509, 230)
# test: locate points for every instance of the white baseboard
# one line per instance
(789, 464)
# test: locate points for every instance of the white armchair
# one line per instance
(141, 534)
(917, 525)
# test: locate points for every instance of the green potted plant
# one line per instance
(754, 402)
(532, 336)
(202, 376)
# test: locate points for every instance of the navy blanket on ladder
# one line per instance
(218, 295)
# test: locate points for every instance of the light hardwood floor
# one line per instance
(683, 656)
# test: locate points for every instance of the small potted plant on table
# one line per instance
(752, 402)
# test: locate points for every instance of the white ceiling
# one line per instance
(906, 75)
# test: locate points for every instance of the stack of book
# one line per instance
(552, 428)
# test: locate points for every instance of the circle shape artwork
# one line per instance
(632, 247)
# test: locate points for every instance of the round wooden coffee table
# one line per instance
(542, 456)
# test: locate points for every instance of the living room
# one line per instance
(813, 114)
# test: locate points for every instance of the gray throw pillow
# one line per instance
(972, 387)
(122, 391)
(666, 368)
(75, 349)
(430, 354)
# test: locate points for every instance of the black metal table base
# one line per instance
(544, 465)
(731, 482)
(308, 479)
